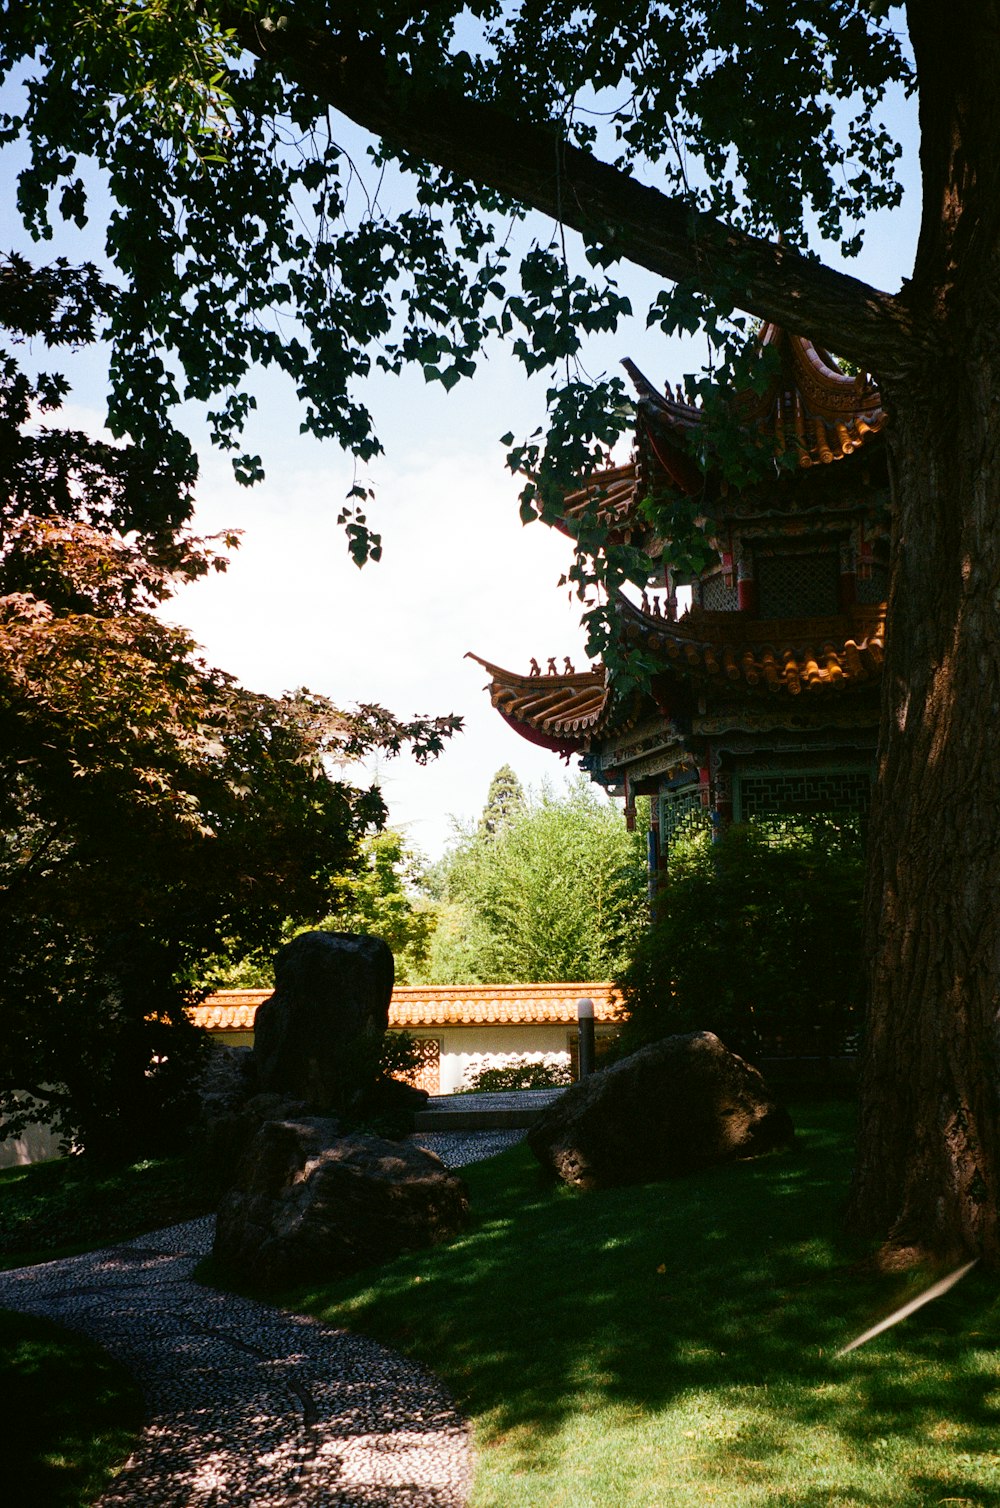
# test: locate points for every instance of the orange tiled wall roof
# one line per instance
(416, 1005)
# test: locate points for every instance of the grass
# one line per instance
(72, 1415)
(657, 1347)
(675, 1344)
(55, 1209)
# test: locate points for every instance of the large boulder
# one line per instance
(317, 1037)
(225, 1138)
(678, 1105)
(309, 1204)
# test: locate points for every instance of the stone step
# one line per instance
(483, 1112)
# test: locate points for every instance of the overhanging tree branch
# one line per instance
(524, 161)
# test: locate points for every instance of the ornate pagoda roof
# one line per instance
(614, 489)
(752, 656)
(790, 655)
(810, 407)
(811, 404)
(559, 710)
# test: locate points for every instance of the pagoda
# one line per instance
(764, 694)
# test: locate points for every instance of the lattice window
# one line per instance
(427, 1074)
(717, 597)
(874, 588)
(797, 586)
(834, 793)
(683, 814)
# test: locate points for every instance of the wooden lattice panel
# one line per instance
(427, 1074)
(683, 814)
(717, 597)
(793, 585)
(840, 792)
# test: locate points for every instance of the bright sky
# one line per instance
(459, 572)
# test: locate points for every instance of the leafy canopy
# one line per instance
(757, 938)
(382, 894)
(151, 809)
(243, 228)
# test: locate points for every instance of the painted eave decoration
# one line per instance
(559, 710)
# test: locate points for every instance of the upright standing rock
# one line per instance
(316, 1038)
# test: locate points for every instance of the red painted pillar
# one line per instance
(847, 590)
(746, 586)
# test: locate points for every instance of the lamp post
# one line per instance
(585, 1022)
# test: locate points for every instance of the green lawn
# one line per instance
(675, 1344)
(57, 1208)
(71, 1415)
(665, 1346)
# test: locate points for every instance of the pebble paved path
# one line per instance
(251, 1407)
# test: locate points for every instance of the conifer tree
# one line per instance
(504, 803)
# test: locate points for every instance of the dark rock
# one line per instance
(670, 1108)
(308, 1204)
(225, 1138)
(395, 1099)
(226, 1081)
(318, 1036)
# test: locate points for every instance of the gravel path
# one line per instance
(251, 1407)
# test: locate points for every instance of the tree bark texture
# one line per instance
(926, 1180)
(926, 1176)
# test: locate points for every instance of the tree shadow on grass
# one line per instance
(73, 1415)
(730, 1293)
(72, 1204)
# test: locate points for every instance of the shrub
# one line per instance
(373, 1064)
(518, 1071)
(551, 889)
(758, 939)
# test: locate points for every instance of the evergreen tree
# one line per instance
(504, 803)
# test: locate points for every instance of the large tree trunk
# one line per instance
(927, 1179)
(927, 1175)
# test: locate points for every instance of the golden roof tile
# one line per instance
(834, 412)
(614, 491)
(498, 1004)
(810, 405)
(415, 1006)
(790, 654)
